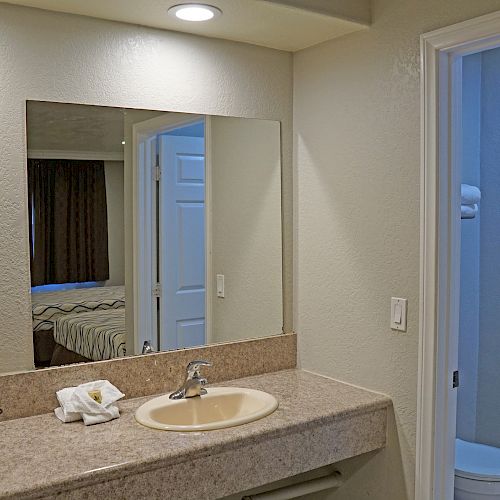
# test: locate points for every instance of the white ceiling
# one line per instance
(74, 127)
(288, 25)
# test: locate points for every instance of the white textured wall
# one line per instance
(58, 57)
(116, 225)
(246, 228)
(357, 146)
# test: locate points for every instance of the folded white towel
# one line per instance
(66, 412)
(77, 403)
(67, 416)
(468, 211)
(470, 194)
(111, 413)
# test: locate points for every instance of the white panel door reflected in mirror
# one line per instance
(133, 215)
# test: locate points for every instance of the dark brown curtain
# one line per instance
(68, 221)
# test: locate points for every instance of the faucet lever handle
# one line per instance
(193, 368)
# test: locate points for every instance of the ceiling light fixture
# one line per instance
(194, 12)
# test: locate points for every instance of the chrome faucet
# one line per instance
(147, 348)
(194, 383)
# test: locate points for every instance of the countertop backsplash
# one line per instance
(33, 393)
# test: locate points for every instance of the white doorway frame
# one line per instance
(144, 220)
(441, 59)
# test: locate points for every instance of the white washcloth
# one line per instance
(67, 416)
(76, 403)
(110, 413)
(468, 211)
(65, 411)
(471, 195)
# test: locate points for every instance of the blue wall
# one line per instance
(468, 348)
(195, 130)
(488, 401)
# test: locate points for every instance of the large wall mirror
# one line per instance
(150, 230)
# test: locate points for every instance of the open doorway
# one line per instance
(170, 267)
(451, 235)
(477, 451)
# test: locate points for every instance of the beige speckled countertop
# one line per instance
(44, 458)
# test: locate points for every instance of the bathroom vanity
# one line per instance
(319, 421)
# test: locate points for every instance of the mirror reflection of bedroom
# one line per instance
(150, 230)
(76, 213)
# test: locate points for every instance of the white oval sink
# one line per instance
(221, 407)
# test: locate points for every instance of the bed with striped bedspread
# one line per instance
(48, 306)
(96, 335)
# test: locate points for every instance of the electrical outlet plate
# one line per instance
(220, 286)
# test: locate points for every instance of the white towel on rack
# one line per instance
(471, 195)
(468, 211)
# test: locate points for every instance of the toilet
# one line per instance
(477, 471)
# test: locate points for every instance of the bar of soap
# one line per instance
(96, 395)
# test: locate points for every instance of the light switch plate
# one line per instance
(399, 309)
